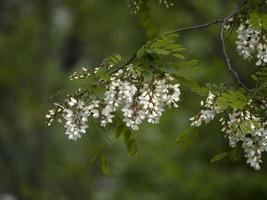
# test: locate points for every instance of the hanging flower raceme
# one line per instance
(252, 43)
(138, 103)
(125, 92)
(76, 117)
(207, 113)
(241, 127)
(247, 129)
(156, 96)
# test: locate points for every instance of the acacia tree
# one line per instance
(127, 91)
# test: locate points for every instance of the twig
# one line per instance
(200, 26)
(227, 58)
(205, 25)
(124, 65)
(222, 22)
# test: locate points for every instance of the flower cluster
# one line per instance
(53, 113)
(207, 113)
(246, 128)
(166, 3)
(138, 103)
(124, 92)
(76, 117)
(239, 126)
(135, 5)
(252, 43)
(81, 75)
(154, 97)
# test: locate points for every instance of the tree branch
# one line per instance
(222, 22)
(227, 58)
(124, 65)
(205, 25)
(200, 26)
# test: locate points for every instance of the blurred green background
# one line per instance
(43, 41)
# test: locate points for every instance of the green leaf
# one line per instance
(120, 130)
(161, 51)
(264, 21)
(234, 99)
(245, 128)
(180, 56)
(191, 63)
(196, 88)
(219, 156)
(113, 60)
(146, 21)
(128, 138)
(102, 74)
(235, 153)
(254, 77)
(96, 155)
(141, 52)
(187, 137)
(162, 46)
(255, 19)
(132, 147)
(105, 165)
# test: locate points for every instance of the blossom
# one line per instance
(76, 119)
(254, 146)
(251, 43)
(166, 3)
(208, 112)
(262, 54)
(125, 92)
(135, 5)
(93, 108)
(253, 138)
(239, 126)
(81, 75)
(138, 103)
(156, 96)
(247, 40)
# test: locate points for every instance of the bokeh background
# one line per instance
(43, 41)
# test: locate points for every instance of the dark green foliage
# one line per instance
(128, 138)
(234, 99)
(219, 157)
(187, 137)
(36, 47)
(162, 46)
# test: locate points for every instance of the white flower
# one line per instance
(254, 146)
(155, 97)
(112, 100)
(138, 104)
(253, 138)
(262, 54)
(94, 108)
(72, 101)
(251, 43)
(208, 112)
(166, 3)
(247, 40)
(76, 120)
(123, 93)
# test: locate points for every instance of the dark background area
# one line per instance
(43, 41)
